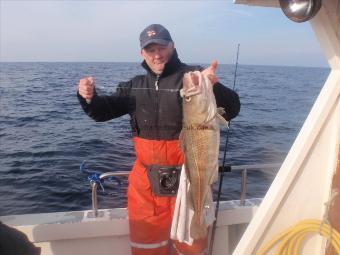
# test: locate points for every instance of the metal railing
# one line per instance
(94, 186)
(243, 189)
(244, 176)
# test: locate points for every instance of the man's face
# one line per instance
(157, 55)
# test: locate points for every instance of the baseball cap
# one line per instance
(154, 33)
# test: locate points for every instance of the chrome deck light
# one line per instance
(300, 10)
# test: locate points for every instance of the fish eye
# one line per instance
(188, 99)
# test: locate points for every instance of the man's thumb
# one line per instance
(213, 65)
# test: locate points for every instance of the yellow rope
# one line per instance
(289, 242)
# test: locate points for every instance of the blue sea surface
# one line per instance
(45, 135)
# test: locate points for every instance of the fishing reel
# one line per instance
(300, 10)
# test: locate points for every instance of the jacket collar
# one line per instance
(169, 68)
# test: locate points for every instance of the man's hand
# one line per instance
(86, 88)
(210, 72)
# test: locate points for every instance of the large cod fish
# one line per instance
(200, 140)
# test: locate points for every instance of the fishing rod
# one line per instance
(211, 246)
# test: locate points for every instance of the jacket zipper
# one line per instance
(157, 105)
(156, 82)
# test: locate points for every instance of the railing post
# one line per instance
(94, 185)
(243, 187)
(94, 199)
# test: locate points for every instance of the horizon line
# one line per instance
(134, 62)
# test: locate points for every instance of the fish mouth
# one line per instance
(188, 93)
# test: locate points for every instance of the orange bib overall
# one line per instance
(150, 216)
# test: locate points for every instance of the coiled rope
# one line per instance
(289, 242)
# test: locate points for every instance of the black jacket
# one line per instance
(155, 114)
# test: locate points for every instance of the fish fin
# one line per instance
(219, 113)
(222, 120)
(214, 174)
(220, 110)
(214, 177)
(198, 229)
(209, 209)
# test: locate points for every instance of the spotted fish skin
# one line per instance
(200, 139)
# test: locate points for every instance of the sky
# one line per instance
(108, 31)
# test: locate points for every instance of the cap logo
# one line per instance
(151, 33)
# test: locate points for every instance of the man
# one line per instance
(153, 101)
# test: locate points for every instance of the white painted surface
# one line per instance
(303, 183)
(72, 233)
(326, 25)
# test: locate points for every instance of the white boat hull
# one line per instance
(70, 233)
